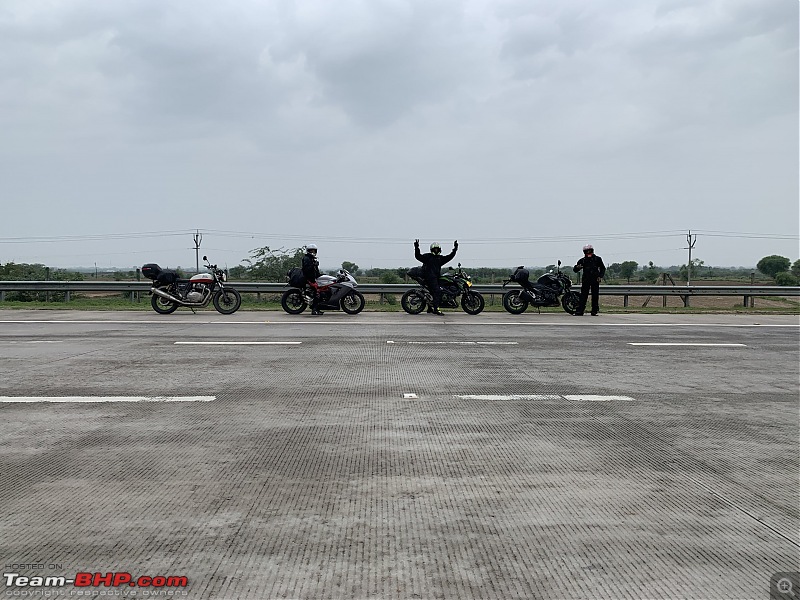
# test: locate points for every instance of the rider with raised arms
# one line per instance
(432, 269)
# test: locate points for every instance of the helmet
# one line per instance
(588, 248)
(436, 248)
(311, 249)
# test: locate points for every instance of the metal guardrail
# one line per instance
(685, 292)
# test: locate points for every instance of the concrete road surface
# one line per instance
(262, 455)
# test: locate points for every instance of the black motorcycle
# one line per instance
(453, 284)
(545, 292)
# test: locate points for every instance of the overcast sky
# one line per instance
(522, 128)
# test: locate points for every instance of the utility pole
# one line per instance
(691, 241)
(198, 237)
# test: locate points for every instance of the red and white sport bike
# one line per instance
(169, 292)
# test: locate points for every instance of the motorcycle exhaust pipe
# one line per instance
(163, 294)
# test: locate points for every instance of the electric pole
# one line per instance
(198, 237)
(691, 241)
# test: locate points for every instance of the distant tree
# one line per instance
(650, 273)
(696, 264)
(390, 277)
(773, 264)
(266, 264)
(628, 268)
(351, 267)
(614, 269)
(786, 278)
(796, 268)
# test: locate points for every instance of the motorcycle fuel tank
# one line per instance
(202, 278)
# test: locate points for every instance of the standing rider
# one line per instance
(593, 271)
(311, 272)
(432, 269)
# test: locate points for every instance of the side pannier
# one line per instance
(295, 277)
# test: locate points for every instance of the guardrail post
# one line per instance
(686, 303)
(66, 296)
(2, 296)
(625, 301)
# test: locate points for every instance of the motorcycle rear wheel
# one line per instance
(227, 302)
(162, 306)
(353, 303)
(413, 302)
(514, 302)
(293, 302)
(570, 302)
(472, 303)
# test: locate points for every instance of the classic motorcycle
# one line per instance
(453, 284)
(545, 292)
(169, 292)
(336, 293)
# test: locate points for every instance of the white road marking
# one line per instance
(409, 396)
(508, 397)
(219, 343)
(680, 344)
(38, 342)
(94, 399)
(470, 343)
(592, 398)
(575, 398)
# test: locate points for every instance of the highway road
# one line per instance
(384, 455)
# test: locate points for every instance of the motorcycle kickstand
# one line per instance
(193, 310)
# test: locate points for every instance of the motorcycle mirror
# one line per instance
(459, 265)
(559, 263)
(205, 258)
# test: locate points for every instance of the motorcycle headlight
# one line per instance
(469, 283)
(224, 276)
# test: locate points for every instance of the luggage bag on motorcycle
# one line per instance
(521, 275)
(151, 271)
(416, 273)
(295, 277)
(167, 277)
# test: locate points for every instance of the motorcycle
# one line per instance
(169, 292)
(336, 293)
(452, 284)
(545, 292)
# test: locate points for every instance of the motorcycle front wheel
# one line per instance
(293, 302)
(570, 302)
(514, 302)
(472, 303)
(162, 306)
(413, 302)
(353, 303)
(227, 301)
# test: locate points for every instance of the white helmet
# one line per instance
(588, 248)
(311, 248)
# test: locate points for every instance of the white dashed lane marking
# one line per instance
(681, 344)
(573, 398)
(220, 343)
(93, 399)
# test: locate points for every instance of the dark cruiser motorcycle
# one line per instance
(454, 284)
(169, 292)
(545, 292)
(336, 293)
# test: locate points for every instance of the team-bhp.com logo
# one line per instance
(94, 580)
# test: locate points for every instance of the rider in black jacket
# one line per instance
(432, 269)
(311, 272)
(593, 271)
